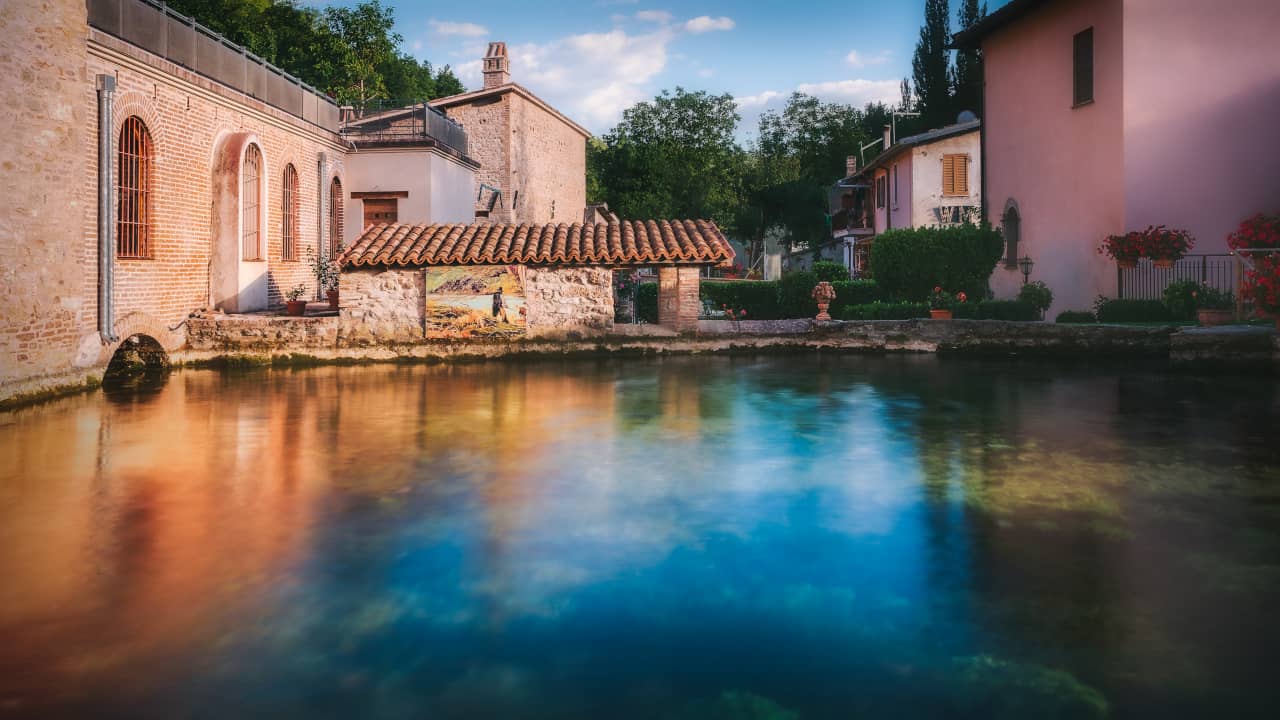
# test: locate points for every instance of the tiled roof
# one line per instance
(660, 242)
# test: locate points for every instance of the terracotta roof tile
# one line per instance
(652, 242)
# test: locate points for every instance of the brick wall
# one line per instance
(679, 301)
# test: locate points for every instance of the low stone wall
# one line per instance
(383, 306)
(217, 334)
(568, 302)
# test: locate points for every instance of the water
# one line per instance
(777, 537)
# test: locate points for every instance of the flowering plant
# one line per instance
(732, 273)
(736, 315)
(1157, 242)
(940, 299)
(1262, 274)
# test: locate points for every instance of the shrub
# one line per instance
(1037, 294)
(758, 297)
(1010, 310)
(886, 311)
(1180, 298)
(1075, 317)
(854, 292)
(1110, 311)
(831, 272)
(909, 263)
(1207, 297)
(794, 299)
(647, 302)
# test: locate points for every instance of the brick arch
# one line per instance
(141, 323)
(129, 104)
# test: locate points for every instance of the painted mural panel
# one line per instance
(476, 301)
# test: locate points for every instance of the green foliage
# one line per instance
(758, 297)
(1208, 297)
(831, 272)
(1037, 294)
(1120, 311)
(909, 263)
(1010, 310)
(647, 302)
(854, 292)
(967, 87)
(886, 311)
(931, 66)
(1067, 317)
(1180, 298)
(795, 299)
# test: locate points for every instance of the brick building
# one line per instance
(219, 177)
(533, 159)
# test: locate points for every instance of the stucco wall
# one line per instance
(441, 189)
(926, 177)
(1201, 112)
(900, 202)
(1062, 166)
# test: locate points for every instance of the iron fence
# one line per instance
(1148, 282)
(401, 121)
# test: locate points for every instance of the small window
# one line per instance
(895, 185)
(133, 190)
(335, 218)
(1082, 48)
(289, 214)
(1012, 231)
(955, 175)
(250, 201)
(881, 191)
(378, 211)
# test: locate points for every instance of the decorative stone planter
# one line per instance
(332, 295)
(940, 314)
(295, 308)
(1210, 318)
(823, 293)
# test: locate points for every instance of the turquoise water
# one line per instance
(771, 537)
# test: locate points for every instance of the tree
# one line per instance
(931, 66)
(968, 71)
(367, 44)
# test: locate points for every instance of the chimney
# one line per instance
(497, 69)
(888, 132)
(850, 165)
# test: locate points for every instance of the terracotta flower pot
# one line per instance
(1209, 318)
(1163, 263)
(940, 314)
(1127, 264)
(332, 295)
(295, 308)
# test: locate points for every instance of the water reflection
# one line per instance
(706, 537)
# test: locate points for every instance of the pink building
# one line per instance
(1102, 116)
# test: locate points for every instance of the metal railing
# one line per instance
(1148, 282)
(179, 39)
(383, 121)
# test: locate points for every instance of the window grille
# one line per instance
(133, 186)
(335, 218)
(289, 213)
(250, 199)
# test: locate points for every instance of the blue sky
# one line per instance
(593, 58)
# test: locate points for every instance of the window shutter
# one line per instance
(955, 174)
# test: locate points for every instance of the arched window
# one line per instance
(133, 188)
(335, 218)
(1012, 230)
(250, 200)
(289, 214)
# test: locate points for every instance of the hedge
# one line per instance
(909, 263)
(885, 311)
(764, 299)
(1075, 316)
(647, 302)
(759, 298)
(1012, 310)
(1132, 311)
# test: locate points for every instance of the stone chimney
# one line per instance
(497, 69)
(850, 165)
(888, 130)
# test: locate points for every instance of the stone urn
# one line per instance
(824, 293)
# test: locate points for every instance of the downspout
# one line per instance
(322, 247)
(106, 211)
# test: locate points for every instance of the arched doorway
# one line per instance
(238, 263)
(1011, 225)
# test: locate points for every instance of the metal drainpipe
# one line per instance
(321, 247)
(106, 211)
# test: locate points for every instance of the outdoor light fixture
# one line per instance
(1025, 264)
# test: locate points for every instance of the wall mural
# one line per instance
(476, 301)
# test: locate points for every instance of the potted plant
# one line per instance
(326, 273)
(824, 293)
(295, 305)
(1213, 306)
(942, 304)
(1262, 273)
(1125, 249)
(1166, 246)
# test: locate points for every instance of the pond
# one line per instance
(787, 536)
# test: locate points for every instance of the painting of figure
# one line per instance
(475, 301)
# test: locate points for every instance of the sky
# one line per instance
(591, 59)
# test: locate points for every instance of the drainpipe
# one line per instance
(321, 246)
(106, 211)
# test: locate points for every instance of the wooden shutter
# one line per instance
(955, 174)
(380, 210)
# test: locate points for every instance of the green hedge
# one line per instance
(1012, 310)
(1110, 311)
(768, 299)
(885, 311)
(759, 298)
(1075, 316)
(795, 298)
(909, 263)
(854, 292)
(1180, 298)
(647, 302)
(832, 272)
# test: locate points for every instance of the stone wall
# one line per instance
(487, 122)
(568, 302)
(383, 306)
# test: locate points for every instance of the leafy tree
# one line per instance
(931, 66)
(968, 68)
(367, 45)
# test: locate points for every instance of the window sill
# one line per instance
(143, 258)
(1082, 103)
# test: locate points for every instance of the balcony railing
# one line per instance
(395, 121)
(179, 39)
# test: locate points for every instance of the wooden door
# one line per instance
(379, 210)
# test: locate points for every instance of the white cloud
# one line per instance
(857, 59)
(758, 100)
(659, 16)
(706, 23)
(854, 92)
(465, 29)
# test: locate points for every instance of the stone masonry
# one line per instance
(383, 305)
(569, 301)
